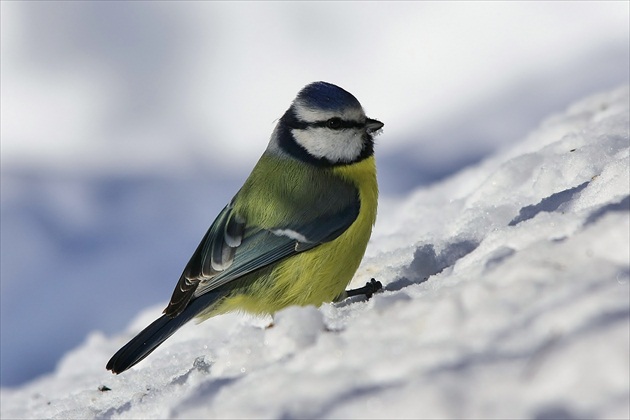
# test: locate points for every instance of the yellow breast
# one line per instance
(321, 274)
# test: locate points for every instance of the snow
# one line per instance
(127, 126)
(506, 295)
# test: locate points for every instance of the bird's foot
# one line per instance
(368, 290)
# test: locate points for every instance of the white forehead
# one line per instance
(309, 114)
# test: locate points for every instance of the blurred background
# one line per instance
(127, 126)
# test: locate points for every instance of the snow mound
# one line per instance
(506, 295)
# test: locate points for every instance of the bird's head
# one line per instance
(327, 126)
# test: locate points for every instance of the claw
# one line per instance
(368, 290)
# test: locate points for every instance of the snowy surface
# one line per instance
(127, 126)
(506, 296)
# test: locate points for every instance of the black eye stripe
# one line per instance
(339, 124)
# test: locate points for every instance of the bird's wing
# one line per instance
(231, 249)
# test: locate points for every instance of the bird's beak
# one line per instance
(373, 125)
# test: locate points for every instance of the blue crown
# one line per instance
(324, 95)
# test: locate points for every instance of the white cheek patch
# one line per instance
(334, 145)
(309, 115)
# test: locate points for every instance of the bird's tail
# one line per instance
(155, 334)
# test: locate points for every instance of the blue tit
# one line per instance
(296, 231)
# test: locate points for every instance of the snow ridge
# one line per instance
(506, 295)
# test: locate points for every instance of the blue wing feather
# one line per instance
(231, 249)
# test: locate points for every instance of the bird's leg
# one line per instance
(368, 290)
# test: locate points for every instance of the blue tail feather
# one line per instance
(155, 334)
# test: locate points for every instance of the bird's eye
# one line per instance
(334, 123)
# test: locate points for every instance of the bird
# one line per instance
(296, 231)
